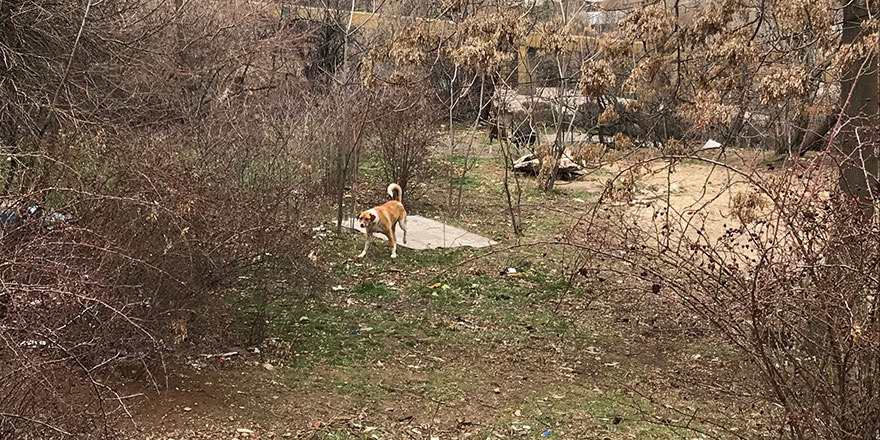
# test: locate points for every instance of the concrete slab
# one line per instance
(425, 233)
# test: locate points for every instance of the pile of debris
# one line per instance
(14, 212)
(568, 169)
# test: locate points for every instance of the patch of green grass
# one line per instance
(694, 161)
(443, 386)
(435, 258)
(361, 389)
(476, 162)
(370, 167)
(576, 194)
(502, 307)
(609, 416)
(337, 335)
(467, 181)
(376, 291)
(543, 226)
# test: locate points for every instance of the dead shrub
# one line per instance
(793, 287)
(405, 137)
(178, 192)
(587, 152)
(747, 206)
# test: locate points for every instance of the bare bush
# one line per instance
(791, 282)
(405, 129)
(160, 189)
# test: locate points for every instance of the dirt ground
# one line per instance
(705, 188)
(477, 343)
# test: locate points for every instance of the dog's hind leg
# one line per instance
(402, 224)
(366, 245)
(393, 244)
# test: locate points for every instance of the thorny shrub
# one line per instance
(405, 136)
(177, 187)
(791, 282)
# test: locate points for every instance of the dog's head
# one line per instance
(367, 218)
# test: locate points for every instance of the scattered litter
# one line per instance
(337, 288)
(30, 343)
(511, 270)
(546, 432)
(612, 364)
(222, 356)
(244, 431)
(355, 332)
(187, 409)
(369, 429)
(196, 364)
(303, 319)
(517, 413)
(269, 367)
(711, 144)
(497, 390)
(435, 285)
(462, 322)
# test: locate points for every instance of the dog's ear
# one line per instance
(372, 217)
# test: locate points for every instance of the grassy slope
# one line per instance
(441, 343)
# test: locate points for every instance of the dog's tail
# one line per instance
(395, 187)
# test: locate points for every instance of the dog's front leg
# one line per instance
(366, 245)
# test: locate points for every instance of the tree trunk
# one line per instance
(858, 97)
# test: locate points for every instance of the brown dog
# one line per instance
(384, 218)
